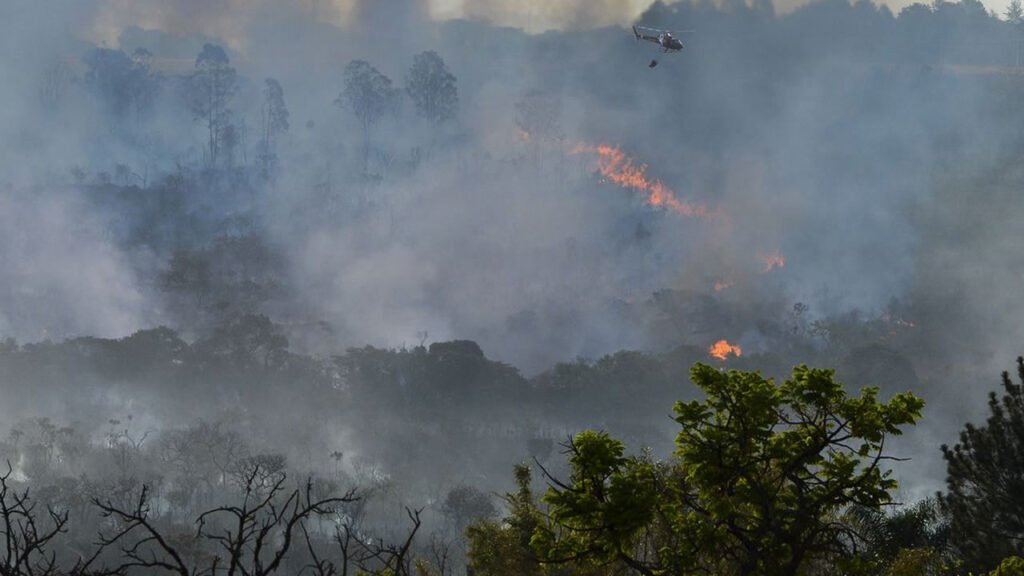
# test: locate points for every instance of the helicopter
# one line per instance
(663, 38)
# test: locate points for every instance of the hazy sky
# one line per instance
(227, 19)
(538, 15)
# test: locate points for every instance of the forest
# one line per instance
(337, 288)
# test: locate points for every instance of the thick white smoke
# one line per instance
(61, 274)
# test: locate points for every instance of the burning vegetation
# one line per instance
(723, 349)
(771, 260)
(263, 250)
(616, 167)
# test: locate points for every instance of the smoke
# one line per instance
(476, 251)
(847, 164)
(61, 276)
(238, 23)
(534, 16)
(229, 21)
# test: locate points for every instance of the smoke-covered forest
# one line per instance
(350, 287)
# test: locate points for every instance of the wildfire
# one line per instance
(901, 322)
(722, 349)
(722, 285)
(615, 166)
(771, 261)
(522, 135)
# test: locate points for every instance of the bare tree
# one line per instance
(204, 454)
(25, 539)
(124, 446)
(265, 526)
(141, 543)
(28, 538)
(252, 538)
(377, 557)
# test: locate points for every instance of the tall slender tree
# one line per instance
(1015, 16)
(211, 87)
(274, 119)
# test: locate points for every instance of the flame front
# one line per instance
(722, 285)
(896, 320)
(722, 349)
(615, 166)
(771, 261)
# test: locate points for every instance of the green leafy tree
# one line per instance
(431, 86)
(917, 562)
(503, 548)
(985, 482)
(910, 540)
(887, 532)
(761, 476)
(1012, 566)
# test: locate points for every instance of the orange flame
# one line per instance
(901, 322)
(615, 166)
(771, 261)
(722, 285)
(722, 349)
(522, 135)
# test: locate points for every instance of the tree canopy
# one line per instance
(431, 86)
(985, 481)
(761, 474)
(369, 95)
